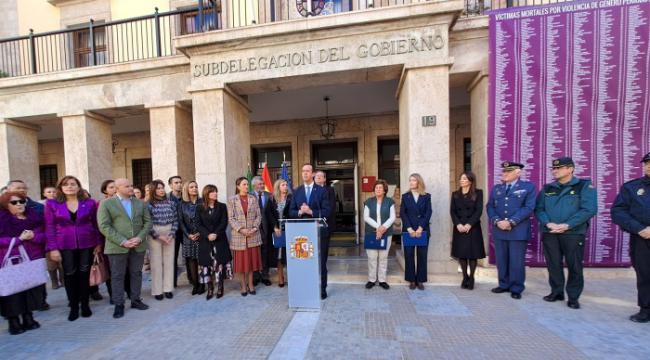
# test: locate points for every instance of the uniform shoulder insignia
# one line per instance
(584, 183)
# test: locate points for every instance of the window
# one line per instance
(389, 160)
(211, 20)
(467, 154)
(49, 176)
(273, 156)
(336, 154)
(142, 173)
(336, 6)
(82, 49)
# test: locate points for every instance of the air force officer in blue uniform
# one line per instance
(509, 208)
(310, 201)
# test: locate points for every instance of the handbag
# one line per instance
(98, 271)
(415, 241)
(371, 242)
(279, 241)
(23, 275)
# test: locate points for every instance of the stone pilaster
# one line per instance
(424, 91)
(221, 139)
(172, 141)
(87, 144)
(19, 155)
(478, 90)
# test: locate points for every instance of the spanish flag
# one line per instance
(266, 176)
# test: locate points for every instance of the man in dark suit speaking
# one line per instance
(310, 201)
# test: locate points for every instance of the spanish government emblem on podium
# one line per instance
(301, 248)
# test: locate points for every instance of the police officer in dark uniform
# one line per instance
(631, 211)
(563, 209)
(509, 209)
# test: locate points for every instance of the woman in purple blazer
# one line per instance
(26, 227)
(73, 238)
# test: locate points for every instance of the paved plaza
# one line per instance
(442, 322)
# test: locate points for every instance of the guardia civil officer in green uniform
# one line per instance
(563, 209)
(631, 211)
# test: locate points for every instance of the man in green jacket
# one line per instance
(125, 222)
(563, 209)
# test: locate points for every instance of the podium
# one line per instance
(303, 263)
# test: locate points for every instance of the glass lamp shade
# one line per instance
(327, 128)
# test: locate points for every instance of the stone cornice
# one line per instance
(67, 2)
(89, 114)
(291, 30)
(20, 124)
(448, 63)
(94, 74)
(481, 74)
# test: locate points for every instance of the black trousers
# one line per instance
(324, 254)
(570, 248)
(640, 254)
(413, 273)
(177, 249)
(76, 269)
(22, 303)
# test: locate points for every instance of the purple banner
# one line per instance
(572, 79)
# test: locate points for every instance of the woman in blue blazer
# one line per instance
(415, 212)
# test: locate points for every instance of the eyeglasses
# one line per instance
(16, 202)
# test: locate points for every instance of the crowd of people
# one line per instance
(217, 240)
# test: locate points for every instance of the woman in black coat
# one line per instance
(214, 253)
(187, 225)
(279, 209)
(467, 243)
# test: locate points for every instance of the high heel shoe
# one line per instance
(220, 290)
(470, 283)
(252, 292)
(465, 282)
(210, 292)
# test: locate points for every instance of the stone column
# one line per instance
(424, 91)
(478, 90)
(221, 139)
(87, 144)
(19, 155)
(172, 141)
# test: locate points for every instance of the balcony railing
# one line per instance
(98, 43)
(145, 37)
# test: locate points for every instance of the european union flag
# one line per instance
(285, 175)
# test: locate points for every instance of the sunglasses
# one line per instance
(16, 202)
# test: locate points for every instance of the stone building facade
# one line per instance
(414, 73)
